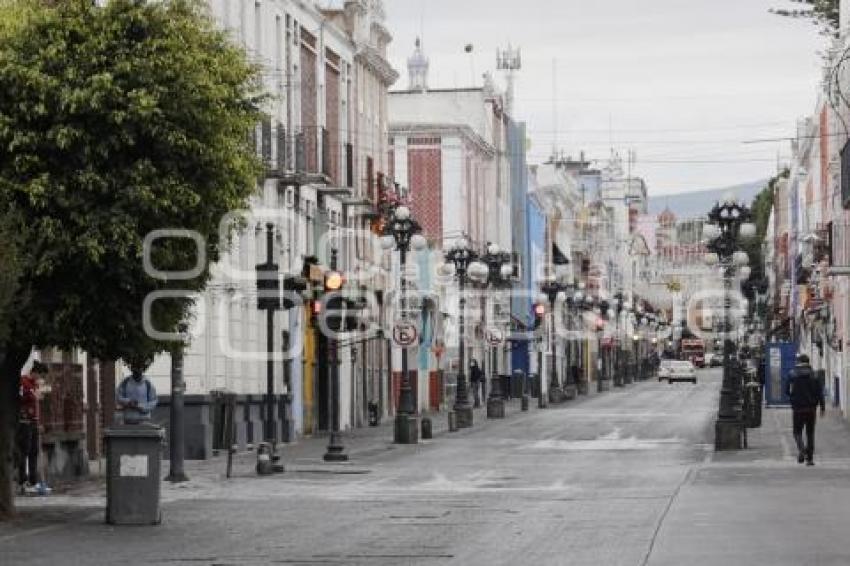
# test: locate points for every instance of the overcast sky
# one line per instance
(678, 81)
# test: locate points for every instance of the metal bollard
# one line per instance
(427, 433)
(264, 459)
(524, 405)
(452, 421)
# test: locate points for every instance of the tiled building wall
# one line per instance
(425, 182)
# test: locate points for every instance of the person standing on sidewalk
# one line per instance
(136, 394)
(475, 377)
(28, 419)
(806, 394)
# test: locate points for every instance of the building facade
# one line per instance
(324, 143)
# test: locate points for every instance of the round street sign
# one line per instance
(494, 336)
(405, 333)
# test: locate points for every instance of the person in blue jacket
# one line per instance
(136, 394)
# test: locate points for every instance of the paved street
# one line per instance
(621, 478)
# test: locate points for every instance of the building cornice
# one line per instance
(372, 59)
(435, 129)
(382, 31)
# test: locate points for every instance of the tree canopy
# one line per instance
(115, 121)
(823, 13)
(761, 208)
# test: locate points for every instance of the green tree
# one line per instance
(114, 122)
(9, 275)
(823, 13)
(761, 208)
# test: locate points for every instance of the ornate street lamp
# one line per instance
(555, 289)
(499, 272)
(402, 233)
(581, 303)
(620, 306)
(730, 220)
(464, 260)
(605, 314)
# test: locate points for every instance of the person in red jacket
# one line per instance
(28, 418)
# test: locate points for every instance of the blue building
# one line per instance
(528, 234)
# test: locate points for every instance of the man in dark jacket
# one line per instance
(806, 394)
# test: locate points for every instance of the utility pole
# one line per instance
(268, 299)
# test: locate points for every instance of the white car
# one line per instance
(677, 370)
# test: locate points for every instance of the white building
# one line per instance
(325, 147)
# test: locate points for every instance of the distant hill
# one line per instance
(698, 203)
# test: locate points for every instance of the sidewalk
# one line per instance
(759, 506)
(365, 447)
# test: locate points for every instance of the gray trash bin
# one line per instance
(133, 461)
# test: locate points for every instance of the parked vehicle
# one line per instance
(677, 370)
(714, 359)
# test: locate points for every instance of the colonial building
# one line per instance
(324, 143)
(449, 148)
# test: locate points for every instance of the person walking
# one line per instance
(806, 394)
(475, 377)
(136, 394)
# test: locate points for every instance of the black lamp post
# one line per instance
(554, 288)
(402, 232)
(578, 301)
(607, 314)
(464, 260)
(639, 327)
(730, 221)
(636, 344)
(499, 272)
(619, 307)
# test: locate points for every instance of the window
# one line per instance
(258, 28)
(845, 175)
(278, 47)
(370, 176)
(243, 22)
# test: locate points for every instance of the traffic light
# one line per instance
(268, 286)
(339, 312)
(539, 314)
(332, 309)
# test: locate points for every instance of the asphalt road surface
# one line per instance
(607, 480)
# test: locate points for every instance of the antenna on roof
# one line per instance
(510, 61)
